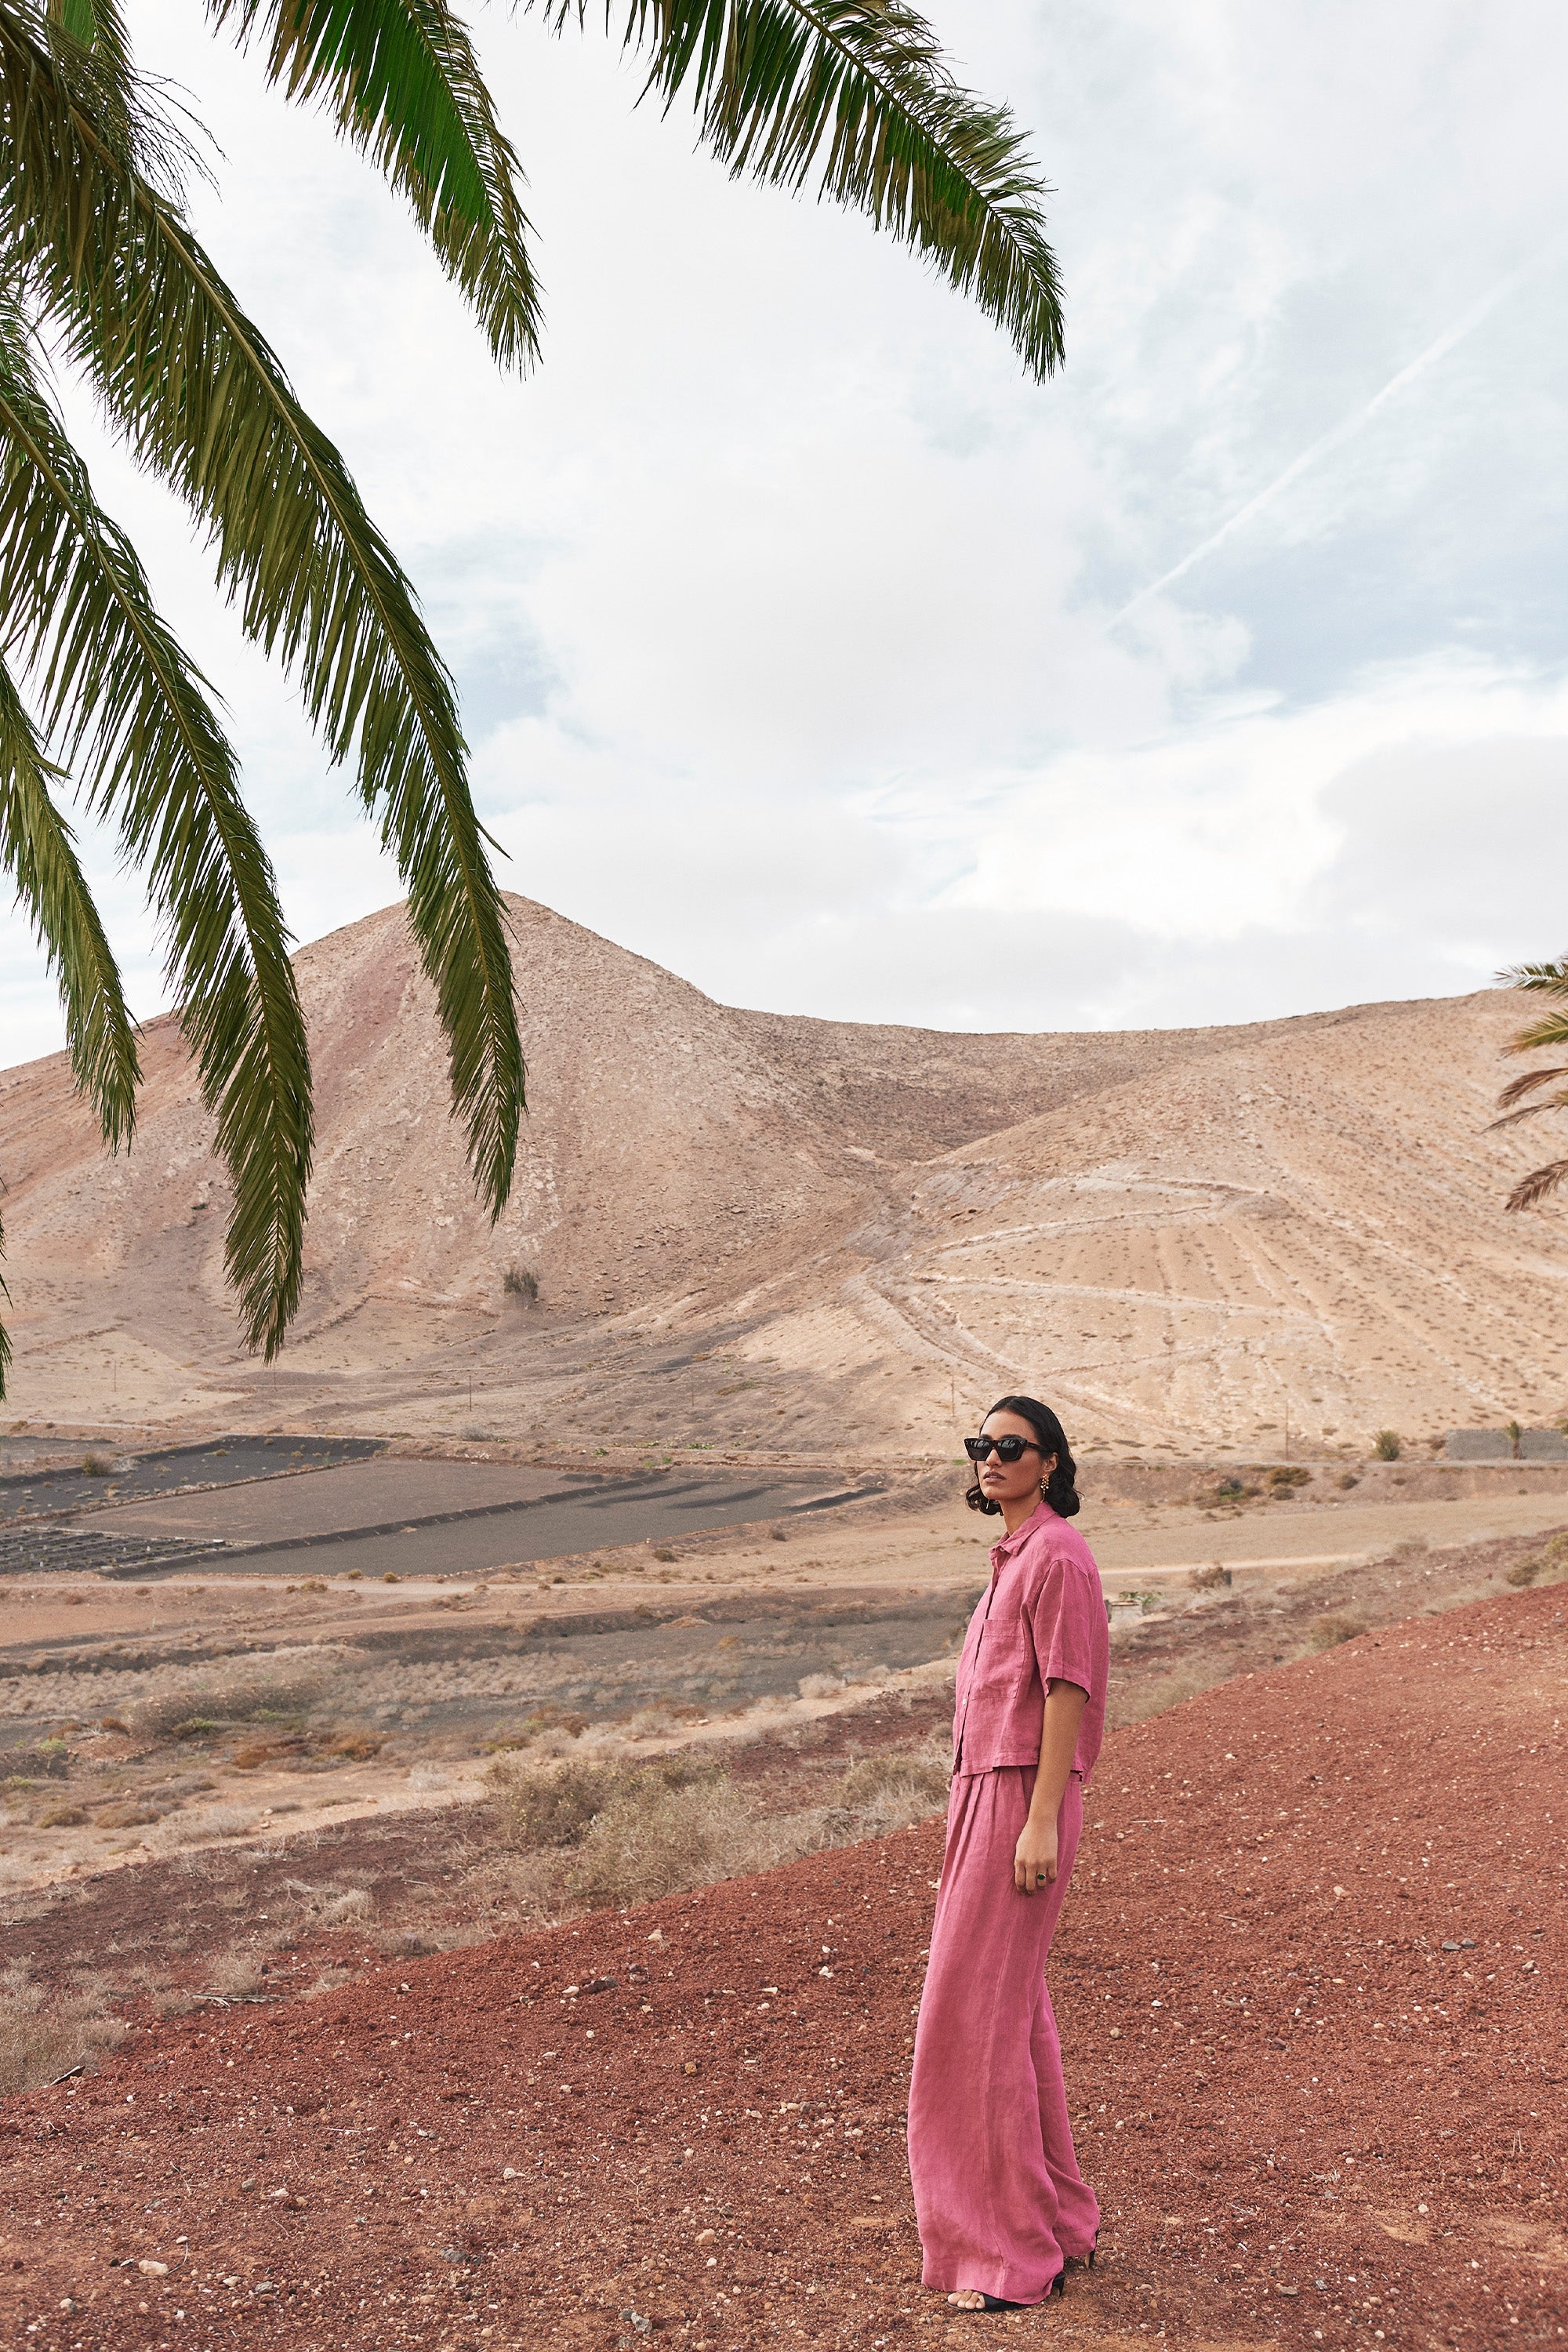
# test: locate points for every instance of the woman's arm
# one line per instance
(1034, 1857)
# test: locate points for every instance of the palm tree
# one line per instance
(1549, 1031)
(96, 259)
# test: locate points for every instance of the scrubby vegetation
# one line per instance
(1549, 1565)
(46, 2033)
(588, 1834)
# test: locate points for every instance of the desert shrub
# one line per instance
(1289, 1474)
(204, 1828)
(888, 1793)
(45, 2032)
(97, 1466)
(234, 1973)
(821, 1685)
(193, 1710)
(1209, 1578)
(132, 1815)
(23, 1767)
(1327, 1633)
(355, 1747)
(328, 1980)
(653, 1839)
(351, 1909)
(1225, 1495)
(549, 1807)
(1551, 1564)
(251, 1754)
(663, 1551)
(521, 1282)
(1386, 1445)
(651, 1722)
(63, 1817)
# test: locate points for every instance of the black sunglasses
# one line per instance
(1006, 1449)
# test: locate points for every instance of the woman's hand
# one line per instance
(1035, 1856)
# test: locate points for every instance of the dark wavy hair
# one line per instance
(1061, 1492)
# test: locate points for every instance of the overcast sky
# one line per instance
(808, 650)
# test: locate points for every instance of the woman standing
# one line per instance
(1001, 2202)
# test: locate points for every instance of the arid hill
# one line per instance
(782, 1233)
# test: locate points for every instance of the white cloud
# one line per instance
(782, 606)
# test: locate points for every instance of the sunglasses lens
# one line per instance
(978, 1448)
(1010, 1449)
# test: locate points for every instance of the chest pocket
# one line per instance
(1006, 1660)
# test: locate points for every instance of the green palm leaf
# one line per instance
(204, 400)
(1549, 1029)
(401, 79)
(35, 847)
(37, 850)
(121, 703)
(857, 91)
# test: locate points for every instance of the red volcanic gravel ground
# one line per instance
(1311, 1984)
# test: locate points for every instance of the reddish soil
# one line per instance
(1310, 2121)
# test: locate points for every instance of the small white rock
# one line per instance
(153, 2269)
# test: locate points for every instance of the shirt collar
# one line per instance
(1003, 1551)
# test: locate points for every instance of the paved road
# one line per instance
(221, 1459)
(411, 1519)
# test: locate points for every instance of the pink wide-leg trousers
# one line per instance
(998, 2194)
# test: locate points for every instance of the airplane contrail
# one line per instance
(1343, 431)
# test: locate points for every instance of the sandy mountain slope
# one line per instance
(781, 1233)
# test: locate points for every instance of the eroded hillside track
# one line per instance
(1310, 1982)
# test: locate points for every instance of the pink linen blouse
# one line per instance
(1040, 1620)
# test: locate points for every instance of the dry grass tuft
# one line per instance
(235, 1971)
(652, 1839)
(210, 1703)
(890, 1792)
(350, 1909)
(1547, 1567)
(1210, 1577)
(1327, 1632)
(328, 1981)
(216, 1823)
(551, 1807)
(48, 2032)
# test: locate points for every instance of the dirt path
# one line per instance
(1310, 1981)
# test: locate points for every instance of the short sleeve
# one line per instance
(1064, 1617)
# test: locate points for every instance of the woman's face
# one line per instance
(1009, 1482)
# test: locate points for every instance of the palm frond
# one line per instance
(1534, 1187)
(204, 402)
(1516, 1089)
(402, 81)
(1548, 979)
(127, 711)
(5, 1334)
(36, 849)
(857, 92)
(1530, 1110)
(92, 48)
